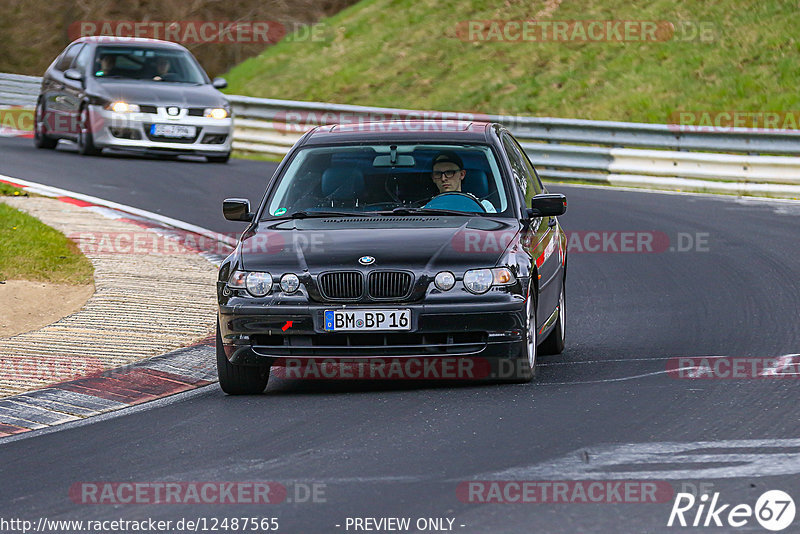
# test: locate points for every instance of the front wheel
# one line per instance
(522, 369)
(86, 146)
(239, 379)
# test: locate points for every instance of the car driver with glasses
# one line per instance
(448, 173)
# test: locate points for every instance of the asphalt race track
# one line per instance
(604, 410)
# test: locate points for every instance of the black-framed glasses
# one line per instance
(437, 175)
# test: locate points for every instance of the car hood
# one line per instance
(415, 243)
(160, 93)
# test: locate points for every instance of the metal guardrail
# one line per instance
(19, 90)
(736, 161)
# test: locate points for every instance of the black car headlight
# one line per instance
(258, 284)
(479, 281)
(444, 281)
(290, 283)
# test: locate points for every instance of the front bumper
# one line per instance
(255, 335)
(132, 131)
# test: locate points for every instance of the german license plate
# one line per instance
(172, 130)
(367, 320)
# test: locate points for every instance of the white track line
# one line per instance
(48, 190)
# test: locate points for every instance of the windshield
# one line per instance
(141, 63)
(386, 177)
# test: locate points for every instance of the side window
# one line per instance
(522, 176)
(69, 55)
(83, 59)
(516, 164)
(534, 176)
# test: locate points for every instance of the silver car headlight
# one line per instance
(216, 113)
(122, 107)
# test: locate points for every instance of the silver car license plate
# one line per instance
(172, 130)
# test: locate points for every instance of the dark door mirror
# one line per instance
(73, 74)
(237, 209)
(547, 205)
(220, 83)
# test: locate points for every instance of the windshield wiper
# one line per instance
(306, 214)
(425, 211)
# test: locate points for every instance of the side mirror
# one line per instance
(219, 83)
(237, 209)
(547, 205)
(73, 74)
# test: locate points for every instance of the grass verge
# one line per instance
(724, 55)
(31, 250)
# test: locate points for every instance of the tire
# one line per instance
(86, 145)
(219, 159)
(523, 367)
(40, 137)
(239, 379)
(554, 343)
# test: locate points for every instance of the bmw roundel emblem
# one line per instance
(366, 260)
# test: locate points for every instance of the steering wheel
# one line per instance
(455, 200)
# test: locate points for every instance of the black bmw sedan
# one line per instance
(402, 243)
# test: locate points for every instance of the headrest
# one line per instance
(476, 182)
(342, 183)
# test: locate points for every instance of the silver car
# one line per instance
(141, 95)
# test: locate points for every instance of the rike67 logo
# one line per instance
(774, 510)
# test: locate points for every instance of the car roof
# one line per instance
(127, 41)
(416, 131)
